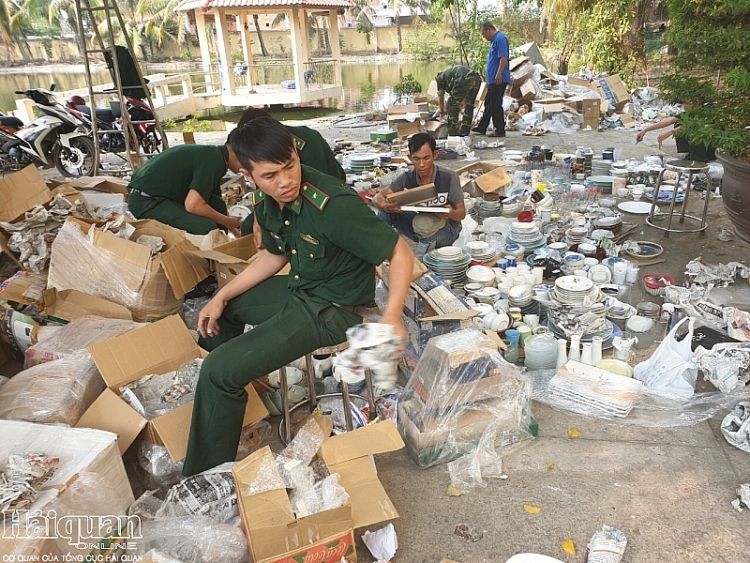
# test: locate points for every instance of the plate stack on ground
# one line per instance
(540, 352)
(612, 223)
(360, 163)
(527, 235)
(484, 208)
(604, 183)
(576, 235)
(600, 167)
(449, 263)
(605, 392)
(522, 296)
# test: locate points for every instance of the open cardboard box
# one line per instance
(22, 191)
(231, 259)
(69, 304)
(493, 181)
(156, 348)
(273, 533)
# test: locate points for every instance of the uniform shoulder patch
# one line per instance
(299, 142)
(315, 195)
(257, 197)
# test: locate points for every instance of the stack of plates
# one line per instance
(574, 290)
(602, 182)
(482, 275)
(481, 251)
(515, 156)
(449, 263)
(540, 352)
(576, 235)
(611, 223)
(595, 390)
(666, 195)
(483, 208)
(600, 167)
(527, 235)
(607, 333)
(360, 162)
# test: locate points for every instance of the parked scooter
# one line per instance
(111, 120)
(53, 138)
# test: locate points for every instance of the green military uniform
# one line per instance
(333, 242)
(159, 188)
(462, 85)
(314, 152)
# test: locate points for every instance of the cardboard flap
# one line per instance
(26, 288)
(371, 439)
(109, 412)
(269, 508)
(243, 247)
(173, 429)
(217, 256)
(367, 497)
(156, 348)
(279, 543)
(183, 268)
(21, 192)
(458, 316)
(70, 304)
(493, 180)
(137, 254)
(110, 184)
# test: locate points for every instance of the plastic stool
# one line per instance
(691, 168)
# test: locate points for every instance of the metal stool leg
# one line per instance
(688, 189)
(672, 204)
(656, 193)
(287, 420)
(708, 193)
(347, 406)
(311, 382)
(370, 394)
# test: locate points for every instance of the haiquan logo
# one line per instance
(87, 533)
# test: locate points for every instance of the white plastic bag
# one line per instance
(671, 368)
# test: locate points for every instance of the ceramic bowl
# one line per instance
(293, 376)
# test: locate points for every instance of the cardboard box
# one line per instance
(24, 288)
(108, 184)
(122, 271)
(275, 536)
(408, 128)
(591, 114)
(229, 260)
(414, 196)
(157, 348)
(582, 82)
(613, 89)
(69, 304)
(21, 191)
(418, 270)
(493, 181)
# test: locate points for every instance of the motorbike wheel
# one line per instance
(150, 143)
(77, 160)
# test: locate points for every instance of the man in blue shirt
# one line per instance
(498, 78)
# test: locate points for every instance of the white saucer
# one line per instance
(635, 207)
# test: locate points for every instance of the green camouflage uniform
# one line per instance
(462, 85)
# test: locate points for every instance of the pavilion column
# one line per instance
(200, 24)
(299, 67)
(243, 23)
(304, 36)
(333, 24)
(225, 52)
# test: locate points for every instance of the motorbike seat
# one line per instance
(10, 121)
(102, 114)
(114, 105)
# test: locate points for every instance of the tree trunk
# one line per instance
(263, 50)
(398, 33)
(326, 37)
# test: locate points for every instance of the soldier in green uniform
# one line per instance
(462, 85)
(181, 187)
(313, 151)
(332, 243)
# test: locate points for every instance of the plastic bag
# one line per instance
(671, 368)
(470, 470)
(161, 471)
(211, 493)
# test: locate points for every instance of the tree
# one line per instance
(263, 50)
(66, 10)
(13, 16)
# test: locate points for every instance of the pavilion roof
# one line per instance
(204, 5)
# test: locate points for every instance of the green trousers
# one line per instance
(247, 225)
(463, 95)
(174, 214)
(287, 325)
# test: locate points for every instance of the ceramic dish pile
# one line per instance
(576, 235)
(527, 235)
(600, 167)
(573, 261)
(604, 183)
(575, 290)
(600, 274)
(360, 162)
(619, 313)
(481, 251)
(648, 309)
(611, 223)
(484, 208)
(540, 352)
(449, 263)
(596, 390)
(608, 331)
(666, 195)
(522, 296)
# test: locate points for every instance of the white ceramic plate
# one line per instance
(449, 251)
(635, 207)
(574, 284)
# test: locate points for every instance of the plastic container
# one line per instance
(644, 329)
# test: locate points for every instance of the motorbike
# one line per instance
(110, 119)
(53, 138)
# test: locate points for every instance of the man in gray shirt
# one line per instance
(425, 230)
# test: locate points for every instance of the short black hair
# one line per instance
(251, 113)
(418, 140)
(488, 25)
(262, 140)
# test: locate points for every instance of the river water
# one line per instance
(367, 85)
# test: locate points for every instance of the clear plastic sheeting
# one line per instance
(161, 471)
(76, 335)
(267, 479)
(211, 493)
(471, 470)
(461, 391)
(192, 539)
(55, 392)
(157, 394)
(651, 409)
(191, 309)
(323, 495)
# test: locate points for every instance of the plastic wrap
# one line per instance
(79, 264)
(606, 546)
(76, 335)
(326, 494)
(55, 392)
(293, 463)
(3, 381)
(192, 539)
(650, 409)
(161, 471)
(211, 493)
(372, 346)
(157, 394)
(470, 470)
(191, 308)
(736, 426)
(461, 389)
